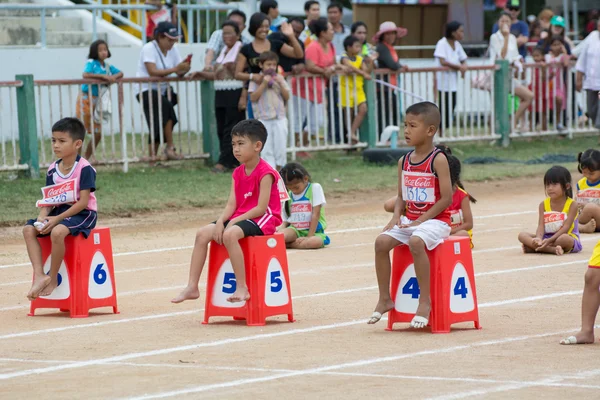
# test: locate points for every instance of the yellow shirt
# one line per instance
(554, 220)
(587, 192)
(349, 94)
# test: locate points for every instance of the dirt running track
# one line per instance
(155, 349)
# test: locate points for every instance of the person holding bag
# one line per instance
(160, 59)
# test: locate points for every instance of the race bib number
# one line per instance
(589, 196)
(418, 187)
(456, 218)
(553, 221)
(60, 193)
(301, 215)
(283, 193)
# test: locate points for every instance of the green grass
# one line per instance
(191, 184)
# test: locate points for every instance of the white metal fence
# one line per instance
(9, 132)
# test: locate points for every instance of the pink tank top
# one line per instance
(247, 189)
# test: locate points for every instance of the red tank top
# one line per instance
(420, 187)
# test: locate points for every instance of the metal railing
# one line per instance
(9, 133)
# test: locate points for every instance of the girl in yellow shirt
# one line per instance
(587, 193)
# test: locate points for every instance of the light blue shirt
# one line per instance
(94, 67)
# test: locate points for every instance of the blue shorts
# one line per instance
(82, 223)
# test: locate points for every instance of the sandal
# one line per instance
(171, 154)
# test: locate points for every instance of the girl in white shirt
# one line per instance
(449, 53)
(503, 46)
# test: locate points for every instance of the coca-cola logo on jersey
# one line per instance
(419, 182)
(589, 194)
(58, 190)
(299, 208)
(554, 217)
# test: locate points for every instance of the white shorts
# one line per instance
(304, 112)
(432, 232)
(275, 150)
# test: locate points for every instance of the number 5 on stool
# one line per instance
(86, 277)
(267, 278)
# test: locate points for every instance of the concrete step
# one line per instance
(52, 23)
(16, 1)
(23, 12)
(65, 38)
(31, 37)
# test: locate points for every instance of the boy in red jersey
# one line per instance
(421, 219)
(253, 209)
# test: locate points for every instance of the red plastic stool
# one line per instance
(453, 293)
(86, 277)
(267, 278)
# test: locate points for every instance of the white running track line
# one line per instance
(223, 342)
(352, 364)
(160, 250)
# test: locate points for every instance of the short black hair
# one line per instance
(505, 14)
(589, 159)
(426, 110)
(266, 5)
(232, 24)
(252, 129)
(538, 49)
(557, 38)
(239, 13)
(268, 56)
(318, 26)
(357, 25)
(256, 21)
(93, 55)
(349, 41)
(72, 126)
(309, 4)
(335, 5)
(562, 176)
(298, 20)
(452, 27)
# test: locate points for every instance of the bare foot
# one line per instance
(239, 296)
(559, 251)
(38, 285)
(589, 227)
(423, 310)
(380, 309)
(49, 288)
(189, 293)
(528, 250)
(579, 338)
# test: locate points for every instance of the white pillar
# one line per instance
(251, 6)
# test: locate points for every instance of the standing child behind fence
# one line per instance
(90, 104)
(303, 213)
(268, 105)
(558, 228)
(351, 86)
(556, 84)
(71, 212)
(587, 194)
(539, 88)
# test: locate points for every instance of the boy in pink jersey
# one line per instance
(68, 206)
(421, 219)
(253, 209)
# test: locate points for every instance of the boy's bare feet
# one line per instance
(559, 251)
(527, 250)
(579, 338)
(421, 318)
(239, 295)
(47, 291)
(380, 309)
(589, 227)
(39, 284)
(189, 293)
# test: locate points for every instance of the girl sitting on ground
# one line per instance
(557, 230)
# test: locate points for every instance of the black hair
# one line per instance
(252, 129)
(94, 49)
(232, 24)
(452, 27)
(589, 159)
(335, 5)
(538, 49)
(298, 20)
(309, 4)
(318, 26)
(561, 175)
(426, 110)
(349, 41)
(72, 126)
(357, 25)
(455, 170)
(256, 21)
(504, 13)
(239, 13)
(290, 172)
(266, 5)
(268, 56)
(557, 38)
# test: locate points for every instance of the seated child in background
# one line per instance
(587, 193)
(303, 213)
(421, 218)
(557, 230)
(351, 86)
(253, 209)
(68, 207)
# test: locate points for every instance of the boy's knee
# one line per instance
(382, 244)
(29, 231)
(232, 236)
(59, 233)
(416, 245)
(203, 235)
